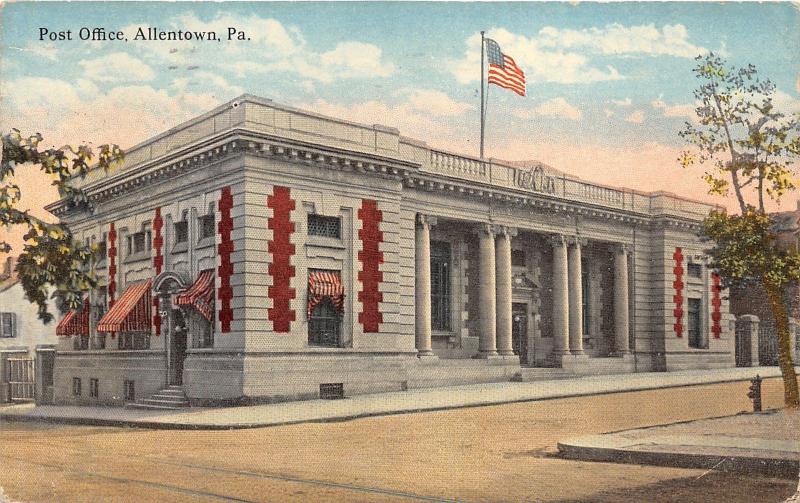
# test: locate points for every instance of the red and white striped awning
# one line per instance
(75, 322)
(131, 312)
(200, 294)
(322, 285)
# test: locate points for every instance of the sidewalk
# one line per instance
(766, 443)
(416, 400)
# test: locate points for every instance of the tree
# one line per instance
(51, 260)
(749, 147)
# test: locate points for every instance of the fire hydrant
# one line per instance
(755, 393)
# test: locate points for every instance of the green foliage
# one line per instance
(745, 250)
(51, 260)
(739, 137)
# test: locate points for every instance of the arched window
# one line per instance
(324, 326)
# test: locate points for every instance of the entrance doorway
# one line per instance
(519, 331)
(177, 353)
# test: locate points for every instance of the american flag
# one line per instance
(503, 71)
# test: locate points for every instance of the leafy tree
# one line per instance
(51, 260)
(749, 147)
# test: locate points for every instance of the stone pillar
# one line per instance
(504, 306)
(487, 296)
(621, 325)
(560, 296)
(747, 340)
(422, 257)
(575, 297)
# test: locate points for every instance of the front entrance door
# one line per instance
(519, 331)
(177, 346)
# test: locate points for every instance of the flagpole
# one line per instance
(483, 112)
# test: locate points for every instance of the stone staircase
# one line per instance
(169, 398)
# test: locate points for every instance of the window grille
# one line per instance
(8, 324)
(518, 258)
(325, 325)
(94, 388)
(129, 390)
(695, 327)
(440, 285)
(328, 227)
(181, 232)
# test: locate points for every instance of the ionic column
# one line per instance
(575, 297)
(621, 300)
(422, 258)
(503, 273)
(487, 343)
(560, 296)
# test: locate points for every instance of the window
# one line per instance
(206, 224)
(139, 242)
(76, 386)
(586, 299)
(99, 341)
(181, 232)
(694, 270)
(129, 390)
(94, 388)
(695, 328)
(440, 285)
(8, 324)
(327, 227)
(134, 340)
(80, 342)
(102, 252)
(324, 327)
(518, 258)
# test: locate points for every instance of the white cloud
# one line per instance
(556, 107)
(617, 39)
(47, 51)
(623, 103)
(636, 117)
(436, 103)
(67, 112)
(117, 67)
(272, 48)
(785, 102)
(681, 110)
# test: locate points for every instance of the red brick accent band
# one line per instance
(678, 297)
(224, 250)
(158, 264)
(111, 252)
(716, 302)
(281, 268)
(370, 257)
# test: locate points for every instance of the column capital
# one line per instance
(577, 241)
(426, 220)
(558, 240)
(622, 248)
(503, 230)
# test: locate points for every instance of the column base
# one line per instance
(620, 354)
(576, 352)
(486, 355)
(505, 352)
(427, 354)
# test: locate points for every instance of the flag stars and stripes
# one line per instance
(503, 71)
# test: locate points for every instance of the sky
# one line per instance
(609, 85)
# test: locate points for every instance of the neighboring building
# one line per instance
(260, 252)
(752, 300)
(21, 332)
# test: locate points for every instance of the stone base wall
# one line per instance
(146, 368)
(695, 360)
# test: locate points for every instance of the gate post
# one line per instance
(45, 361)
(747, 329)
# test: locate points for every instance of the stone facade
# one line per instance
(454, 269)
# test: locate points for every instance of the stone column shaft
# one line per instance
(422, 301)
(575, 299)
(621, 326)
(487, 343)
(560, 297)
(504, 293)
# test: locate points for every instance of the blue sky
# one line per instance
(609, 85)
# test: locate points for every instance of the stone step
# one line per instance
(164, 403)
(138, 405)
(171, 392)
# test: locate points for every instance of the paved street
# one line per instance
(493, 453)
